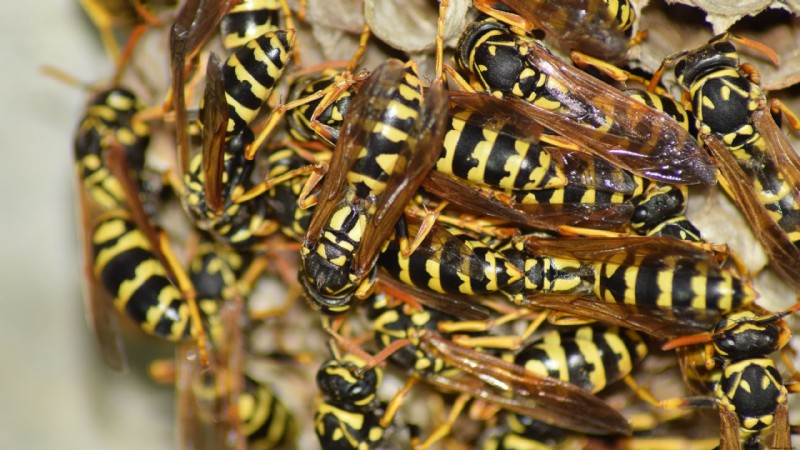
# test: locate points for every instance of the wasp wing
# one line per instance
(215, 123)
(352, 138)
(422, 152)
(585, 25)
(782, 252)
(660, 323)
(621, 250)
(605, 122)
(548, 216)
(98, 304)
(581, 168)
(512, 387)
(463, 308)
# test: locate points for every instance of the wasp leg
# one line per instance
(489, 8)
(394, 404)
(583, 60)
(444, 429)
(268, 184)
(780, 110)
(429, 218)
(500, 342)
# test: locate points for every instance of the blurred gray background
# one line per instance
(55, 392)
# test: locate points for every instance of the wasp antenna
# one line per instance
(684, 341)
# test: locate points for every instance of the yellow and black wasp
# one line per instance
(600, 28)
(221, 406)
(348, 414)
(486, 159)
(430, 355)
(759, 167)
(126, 257)
(660, 286)
(748, 388)
(675, 287)
(390, 140)
(589, 356)
(539, 88)
(235, 91)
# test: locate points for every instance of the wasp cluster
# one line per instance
(492, 253)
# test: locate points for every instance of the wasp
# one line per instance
(538, 86)
(660, 279)
(583, 355)
(348, 414)
(748, 388)
(222, 406)
(452, 367)
(547, 186)
(390, 139)
(124, 256)
(596, 27)
(660, 286)
(233, 96)
(759, 167)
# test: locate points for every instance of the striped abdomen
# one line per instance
(248, 20)
(496, 158)
(251, 74)
(391, 119)
(450, 264)
(128, 268)
(681, 285)
(110, 120)
(266, 420)
(591, 356)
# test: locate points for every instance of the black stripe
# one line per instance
(168, 319)
(646, 288)
(610, 359)
(682, 292)
(145, 297)
(463, 159)
(578, 367)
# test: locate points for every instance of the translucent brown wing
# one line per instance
(662, 324)
(585, 25)
(585, 170)
(627, 133)
(195, 23)
(582, 169)
(484, 201)
(352, 137)
(206, 398)
(729, 430)
(215, 123)
(100, 313)
(780, 150)
(423, 151)
(199, 20)
(783, 254)
(620, 250)
(460, 307)
(510, 386)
